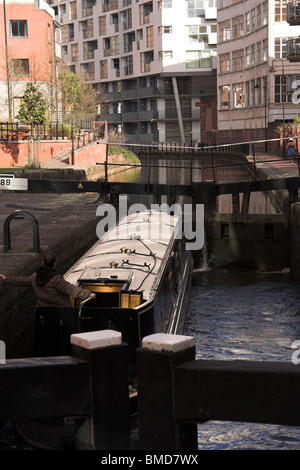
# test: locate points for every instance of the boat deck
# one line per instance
(133, 252)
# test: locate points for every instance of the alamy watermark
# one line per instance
(2, 352)
(296, 93)
(192, 224)
(296, 353)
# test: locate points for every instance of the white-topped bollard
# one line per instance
(97, 339)
(109, 427)
(159, 355)
(165, 342)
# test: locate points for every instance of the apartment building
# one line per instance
(28, 53)
(255, 78)
(155, 60)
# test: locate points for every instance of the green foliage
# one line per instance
(71, 91)
(33, 107)
(128, 154)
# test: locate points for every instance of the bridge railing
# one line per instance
(198, 157)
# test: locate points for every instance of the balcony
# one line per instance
(293, 13)
(293, 50)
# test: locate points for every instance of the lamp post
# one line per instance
(283, 97)
(265, 105)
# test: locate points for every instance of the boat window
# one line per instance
(112, 294)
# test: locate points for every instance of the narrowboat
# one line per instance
(141, 273)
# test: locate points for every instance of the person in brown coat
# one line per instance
(50, 287)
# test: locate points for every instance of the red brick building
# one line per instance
(27, 53)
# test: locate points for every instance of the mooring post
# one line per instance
(156, 360)
(108, 427)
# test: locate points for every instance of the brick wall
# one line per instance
(22, 153)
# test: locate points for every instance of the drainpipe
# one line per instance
(7, 64)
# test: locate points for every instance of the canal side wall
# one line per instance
(67, 229)
(260, 243)
(291, 213)
(295, 242)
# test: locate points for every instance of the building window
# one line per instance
(164, 29)
(110, 5)
(139, 37)
(150, 42)
(87, 28)
(198, 59)
(164, 4)
(88, 71)
(128, 40)
(225, 97)
(258, 16)
(194, 8)
(74, 52)
(238, 95)
(88, 49)
(87, 7)
(165, 55)
(103, 69)
(127, 64)
(258, 53)
(238, 27)
(146, 59)
(67, 32)
(73, 10)
(145, 11)
(280, 48)
(127, 19)
(280, 89)
(20, 67)
(265, 13)
(111, 46)
(280, 10)
(224, 31)
(253, 54)
(238, 60)
(18, 28)
(247, 21)
(102, 25)
(265, 50)
(247, 57)
(225, 62)
(253, 22)
(197, 34)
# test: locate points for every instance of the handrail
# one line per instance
(35, 227)
(81, 305)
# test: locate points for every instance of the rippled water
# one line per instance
(245, 316)
(238, 315)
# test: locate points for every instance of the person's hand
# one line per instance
(2, 276)
(93, 295)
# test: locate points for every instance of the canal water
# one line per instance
(238, 314)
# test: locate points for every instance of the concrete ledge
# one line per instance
(52, 174)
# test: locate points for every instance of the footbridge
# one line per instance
(202, 161)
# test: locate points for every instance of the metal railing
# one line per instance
(14, 131)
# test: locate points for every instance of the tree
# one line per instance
(33, 107)
(71, 92)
